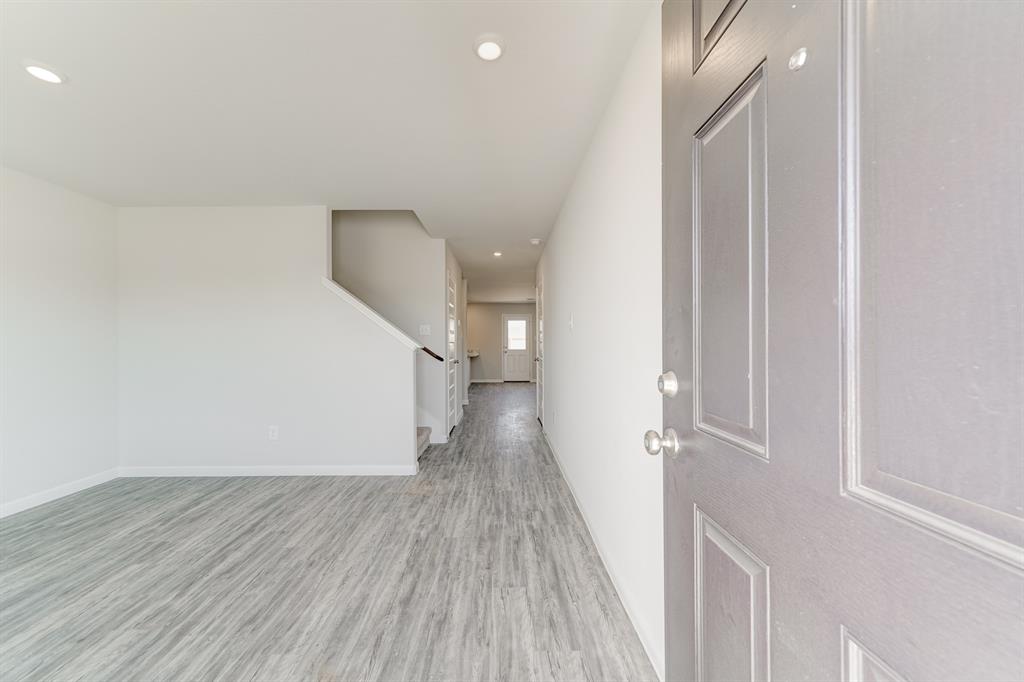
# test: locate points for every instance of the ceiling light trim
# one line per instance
(489, 47)
(44, 72)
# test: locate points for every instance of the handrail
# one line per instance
(431, 353)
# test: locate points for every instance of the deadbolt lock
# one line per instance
(668, 384)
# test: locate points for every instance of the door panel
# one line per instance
(882, 283)
(860, 665)
(934, 244)
(732, 606)
(729, 269)
(711, 18)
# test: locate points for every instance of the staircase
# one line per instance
(422, 440)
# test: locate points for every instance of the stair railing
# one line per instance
(431, 353)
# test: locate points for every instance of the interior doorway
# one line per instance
(515, 335)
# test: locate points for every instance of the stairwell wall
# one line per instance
(234, 358)
(387, 259)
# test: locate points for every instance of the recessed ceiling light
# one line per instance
(535, 241)
(497, 254)
(488, 50)
(44, 73)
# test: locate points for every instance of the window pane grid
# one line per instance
(515, 334)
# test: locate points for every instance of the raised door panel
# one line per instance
(731, 606)
(711, 18)
(934, 333)
(860, 665)
(729, 270)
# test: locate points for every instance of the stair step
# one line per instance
(422, 439)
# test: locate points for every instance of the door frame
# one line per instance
(529, 317)
(451, 358)
(538, 349)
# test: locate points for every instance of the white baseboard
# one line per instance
(500, 381)
(65, 489)
(56, 492)
(659, 665)
(272, 470)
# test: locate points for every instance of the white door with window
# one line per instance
(515, 332)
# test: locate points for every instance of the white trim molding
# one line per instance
(270, 470)
(371, 314)
(56, 492)
(63, 490)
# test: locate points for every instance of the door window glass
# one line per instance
(515, 333)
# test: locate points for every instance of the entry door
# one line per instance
(516, 342)
(539, 358)
(452, 351)
(844, 263)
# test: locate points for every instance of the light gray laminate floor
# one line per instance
(479, 568)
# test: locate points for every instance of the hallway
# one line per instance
(478, 568)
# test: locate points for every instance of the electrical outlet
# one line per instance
(424, 330)
(273, 433)
(570, 322)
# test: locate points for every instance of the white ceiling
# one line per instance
(356, 105)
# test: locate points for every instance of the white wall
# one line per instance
(388, 260)
(225, 329)
(497, 291)
(58, 301)
(601, 269)
(485, 336)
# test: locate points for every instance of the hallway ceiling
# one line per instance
(356, 105)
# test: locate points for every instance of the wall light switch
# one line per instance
(273, 433)
(424, 330)
(570, 322)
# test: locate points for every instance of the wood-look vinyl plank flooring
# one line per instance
(478, 568)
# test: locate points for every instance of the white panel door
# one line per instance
(516, 361)
(844, 316)
(539, 357)
(452, 351)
